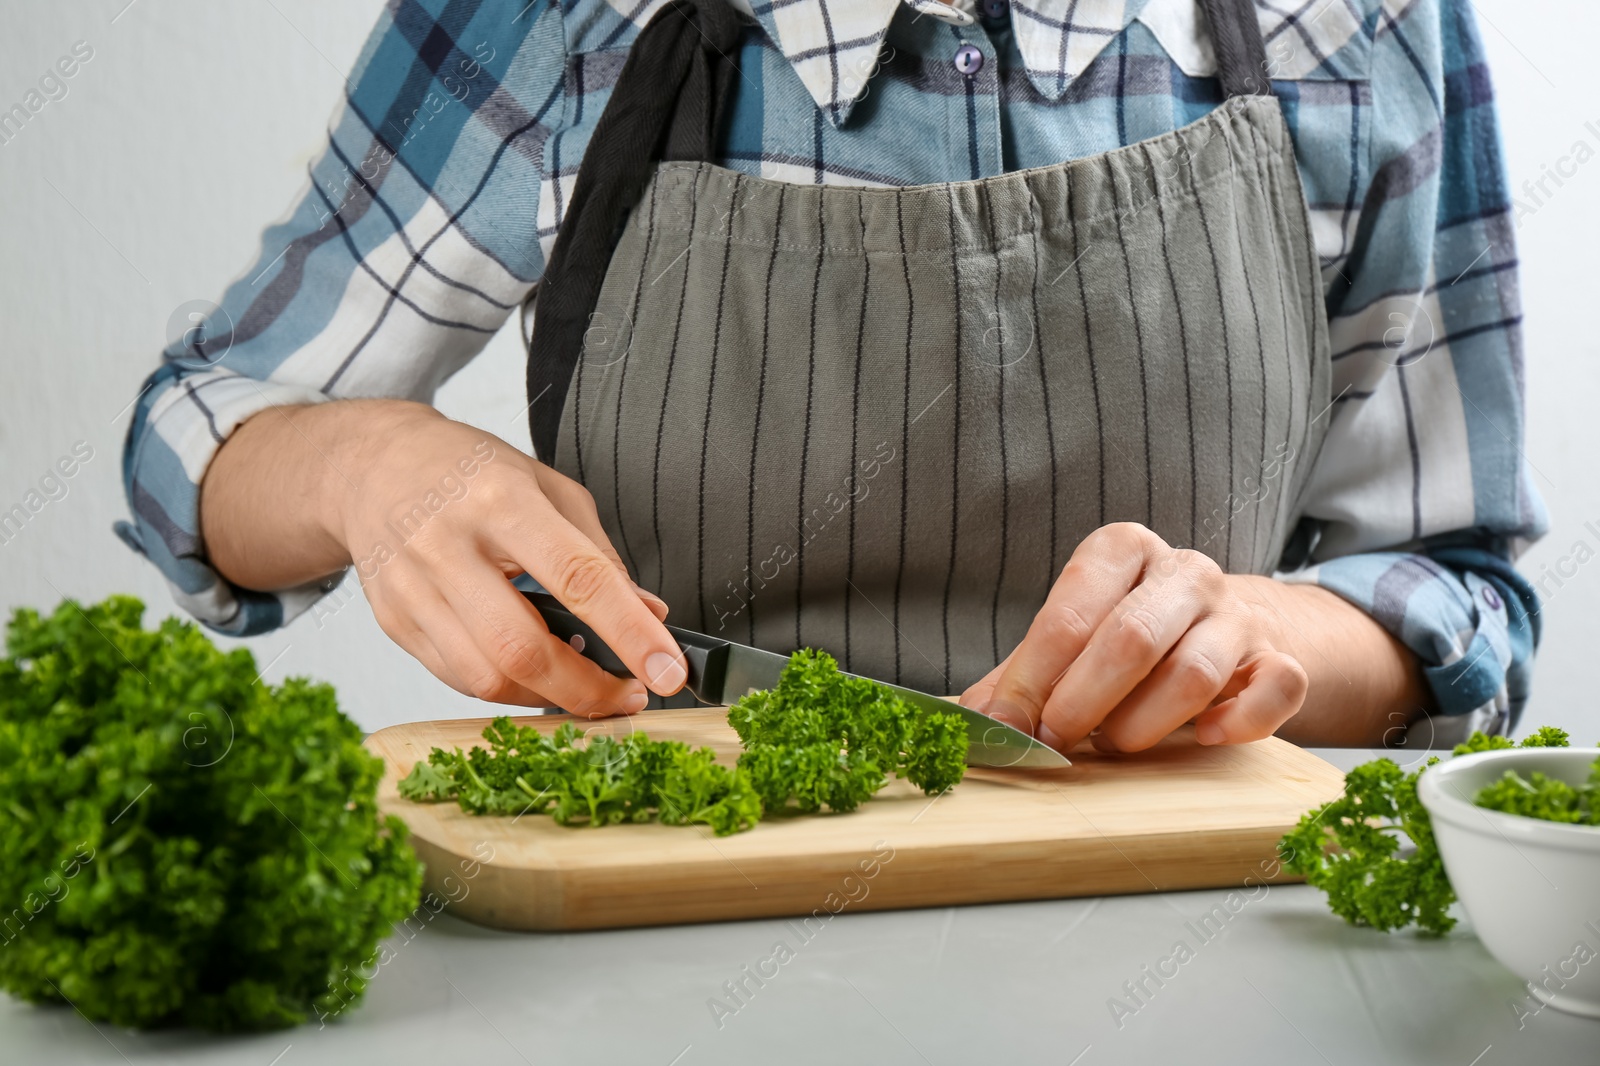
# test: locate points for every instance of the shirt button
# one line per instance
(968, 59)
(994, 9)
(1491, 597)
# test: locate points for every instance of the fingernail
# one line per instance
(1209, 733)
(1049, 738)
(1104, 743)
(657, 605)
(635, 703)
(667, 673)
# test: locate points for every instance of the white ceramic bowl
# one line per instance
(1530, 887)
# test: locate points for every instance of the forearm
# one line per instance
(1365, 686)
(272, 500)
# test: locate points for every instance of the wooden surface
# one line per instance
(1178, 816)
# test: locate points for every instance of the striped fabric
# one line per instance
(426, 222)
(877, 421)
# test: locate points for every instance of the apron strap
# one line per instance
(1241, 53)
(668, 104)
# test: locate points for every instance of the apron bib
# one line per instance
(878, 421)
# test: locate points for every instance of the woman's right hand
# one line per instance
(437, 517)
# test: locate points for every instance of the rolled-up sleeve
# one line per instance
(414, 239)
(1421, 497)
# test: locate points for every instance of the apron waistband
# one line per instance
(986, 216)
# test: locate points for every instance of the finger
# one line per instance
(981, 690)
(657, 605)
(1105, 566)
(402, 628)
(576, 505)
(473, 673)
(591, 585)
(1129, 644)
(511, 635)
(1181, 686)
(1275, 688)
(411, 640)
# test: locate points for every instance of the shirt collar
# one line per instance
(833, 45)
(1059, 39)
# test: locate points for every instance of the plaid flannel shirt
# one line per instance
(426, 221)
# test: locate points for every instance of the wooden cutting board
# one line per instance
(1175, 817)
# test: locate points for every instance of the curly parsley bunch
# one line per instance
(180, 843)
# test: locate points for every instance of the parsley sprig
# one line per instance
(602, 782)
(1354, 847)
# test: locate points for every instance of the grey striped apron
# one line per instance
(878, 421)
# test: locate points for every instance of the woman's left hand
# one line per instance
(1137, 638)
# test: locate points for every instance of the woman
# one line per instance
(1118, 365)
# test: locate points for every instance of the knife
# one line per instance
(721, 671)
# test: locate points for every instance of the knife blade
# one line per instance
(721, 671)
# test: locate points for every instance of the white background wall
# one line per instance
(191, 128)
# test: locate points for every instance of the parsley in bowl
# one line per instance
(1519, 833)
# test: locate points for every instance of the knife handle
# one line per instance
(706, 657)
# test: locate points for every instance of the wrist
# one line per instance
(357, 442)
(278, 500)
(1365, 685)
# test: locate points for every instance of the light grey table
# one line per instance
(1281, 981)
